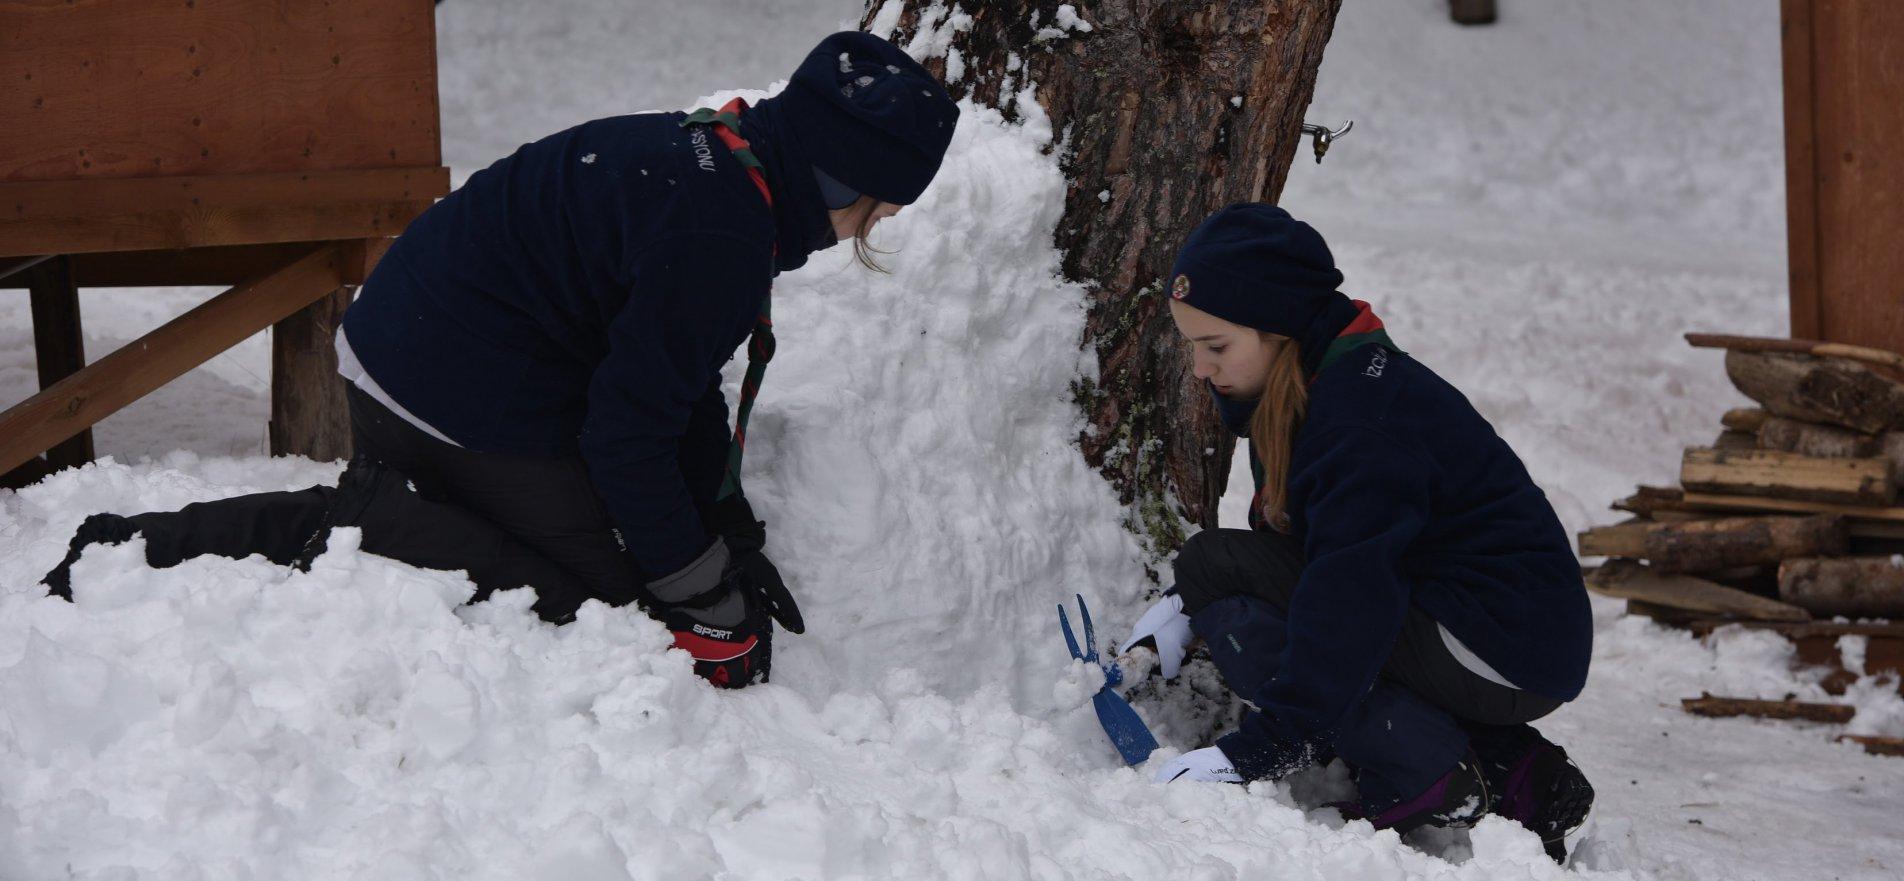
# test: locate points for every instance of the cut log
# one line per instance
(1849, 586)
(1813, 439)
(1877, 746)
(1721, 707)
(1628, 580)
(1744, 419)
(1735, 440)
(1708, 545)
(1830, 390)
(1780, 475)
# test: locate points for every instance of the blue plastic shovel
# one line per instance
(1127, 732)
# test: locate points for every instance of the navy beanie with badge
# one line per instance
(869, 117)
(1252, 264)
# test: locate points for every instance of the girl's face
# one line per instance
(846, 221)
(1232, 358)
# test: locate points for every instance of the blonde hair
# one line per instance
(1272, 430)
(863, 250)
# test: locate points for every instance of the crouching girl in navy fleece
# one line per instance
(1406, 599)
(534, 370)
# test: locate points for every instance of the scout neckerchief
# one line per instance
(760, 345)
(1365, 329)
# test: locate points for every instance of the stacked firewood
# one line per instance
(1790, 516)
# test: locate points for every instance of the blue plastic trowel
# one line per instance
(1127, 732)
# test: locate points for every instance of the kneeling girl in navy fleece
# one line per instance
(1406, 599)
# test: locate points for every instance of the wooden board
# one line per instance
(1625, 579)
(1787, 475)
(157, 358)
(1722, 502)
(141, 88)
(1711, 545)
(142, 214)
(1844, 169)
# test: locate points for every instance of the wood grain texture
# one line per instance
(59, 347)
(1625, 579)
(210, 227)
(138, 88)
(1724, 543)
(1844, 147)
(1850, 586)
(1782, 475)
(309, 414)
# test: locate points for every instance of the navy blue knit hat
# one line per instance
(870, 117)
(1252, 264)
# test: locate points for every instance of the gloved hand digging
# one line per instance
(722, 606)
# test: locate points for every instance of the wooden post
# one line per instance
(60, 347)
(309, 416)
(1844, 169)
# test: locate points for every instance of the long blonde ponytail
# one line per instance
(1273, 431)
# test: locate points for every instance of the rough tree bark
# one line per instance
(1166, 110)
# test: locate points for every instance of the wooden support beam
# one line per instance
(60, 348)
(1851, 586)
(309, 415)
(1720, 707)
(1724, 543)
(1817, 348)
(1783, 475)
(1625, 579)
(159, 357)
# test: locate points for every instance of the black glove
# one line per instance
(748, 568)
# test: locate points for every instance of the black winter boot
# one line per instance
(1536, 785)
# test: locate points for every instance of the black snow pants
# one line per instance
(507, 521)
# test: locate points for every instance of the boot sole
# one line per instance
(1565, 814)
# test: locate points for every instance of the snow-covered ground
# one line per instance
(1539, 209)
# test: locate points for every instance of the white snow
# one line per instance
(1537, 209)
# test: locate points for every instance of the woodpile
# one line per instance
(1789, 519)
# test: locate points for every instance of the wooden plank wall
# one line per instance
(1844, 163)
(138, 88)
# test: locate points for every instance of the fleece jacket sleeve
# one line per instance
(665, 346)
(1366, 498)
(705, 446)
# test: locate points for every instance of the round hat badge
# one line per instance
(1180, 288)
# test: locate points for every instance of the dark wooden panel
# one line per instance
(131, 88)
(222, 266)
(155, 230)
(1844, 79)
(161, 356)
(101, 197)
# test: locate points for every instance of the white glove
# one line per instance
(1206, 765)
(1165, 623)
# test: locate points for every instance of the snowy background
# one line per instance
(1538, 209)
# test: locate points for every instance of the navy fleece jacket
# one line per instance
(1403, 494)
(581, 295)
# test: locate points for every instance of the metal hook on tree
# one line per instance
(1324, 137)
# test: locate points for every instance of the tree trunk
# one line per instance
(1850, 586)
(1165, 111)
(1833, 390)
(1711, 545)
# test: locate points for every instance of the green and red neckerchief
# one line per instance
(1366, 329)
(760, 345)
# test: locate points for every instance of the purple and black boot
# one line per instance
(1457, 800)
(1535, 785)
